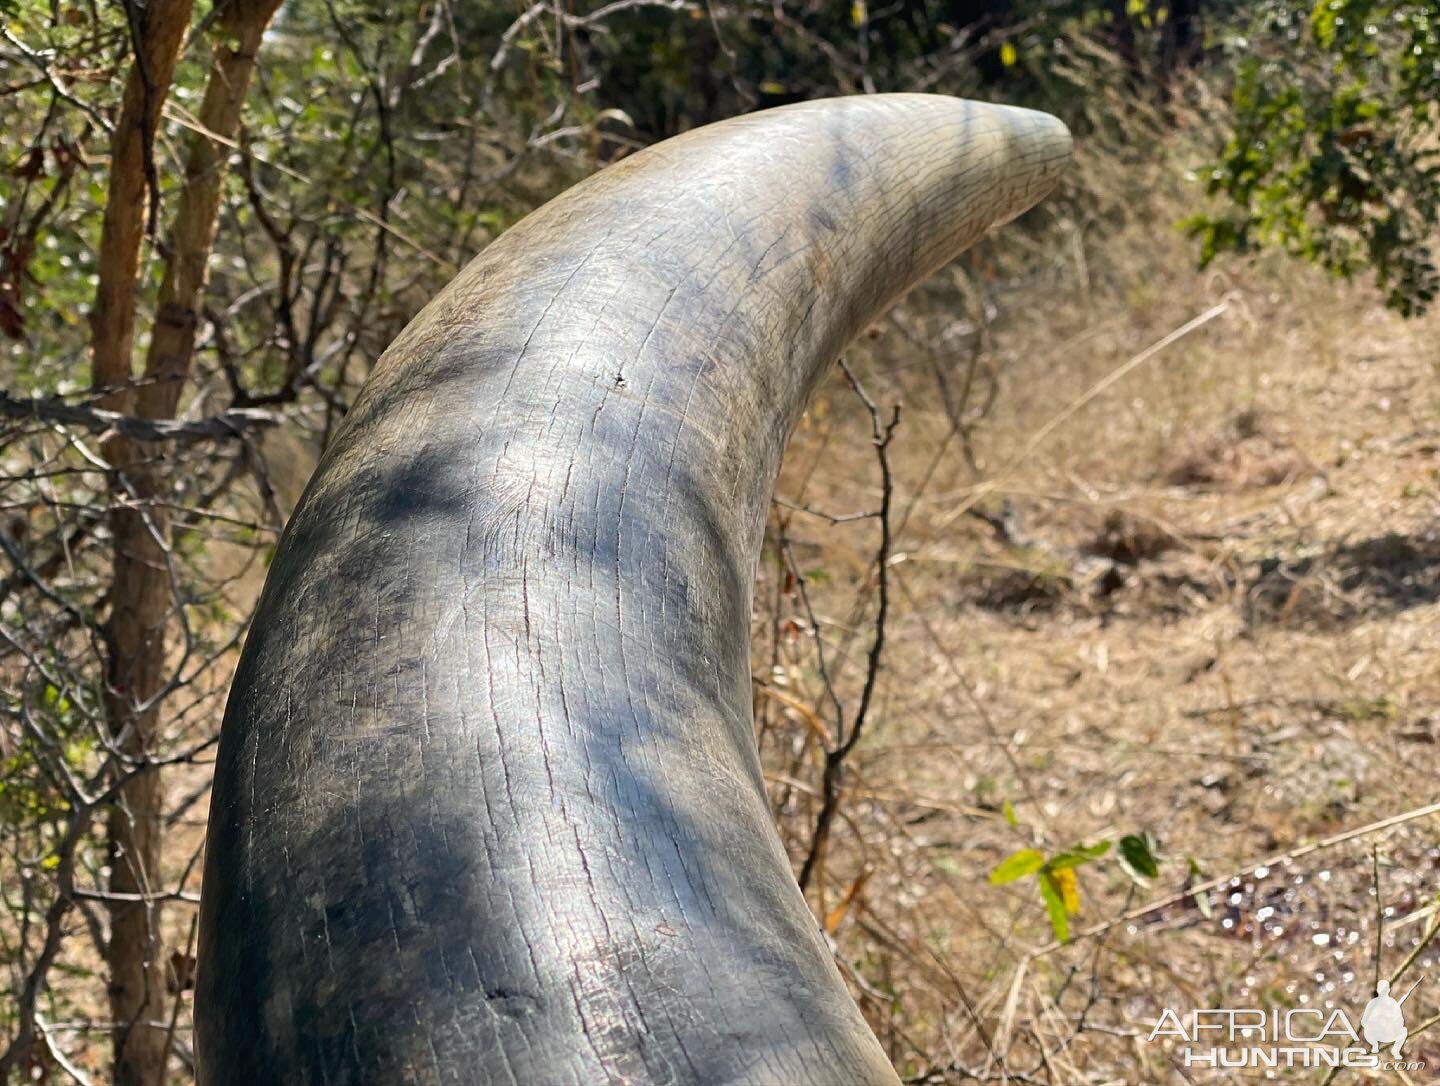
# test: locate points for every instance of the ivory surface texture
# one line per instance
(488, 807)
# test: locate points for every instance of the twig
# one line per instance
(881, 434)
(832, 518)
(226, 425)
(1379, 910)
(58, 1054)
(179, 992)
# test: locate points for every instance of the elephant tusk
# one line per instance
(487, 804)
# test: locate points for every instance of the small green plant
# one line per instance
(1056, 878)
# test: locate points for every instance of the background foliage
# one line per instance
(1333, 155)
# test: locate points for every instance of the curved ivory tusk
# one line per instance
(488, 806)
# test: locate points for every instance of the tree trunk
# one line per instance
(136, 666)
(1122, 36)
(143, 596)
(1181, 38)
(240, 27)
(157, 36)
(487, 804)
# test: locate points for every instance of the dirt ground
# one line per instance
(1190, 593)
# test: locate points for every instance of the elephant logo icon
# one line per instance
(1383, 1020)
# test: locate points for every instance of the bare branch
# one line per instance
(227, 425)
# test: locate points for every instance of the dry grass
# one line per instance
(1200, 604)
(1190, 593)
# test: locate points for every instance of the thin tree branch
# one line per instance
(227, 425)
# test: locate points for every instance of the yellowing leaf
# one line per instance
(836, 916)
(858, 13)
(1069, 887)
(1009, 55)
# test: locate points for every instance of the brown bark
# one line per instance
(137, 612)
(158, 32)
(240, 28)
(142, 595)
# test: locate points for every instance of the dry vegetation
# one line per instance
(1163, 561)
(1189, 592)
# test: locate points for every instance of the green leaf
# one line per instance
(1202, 898)
(1076, 856)
(1016, 866)
(1009, 813)
(1139, 854)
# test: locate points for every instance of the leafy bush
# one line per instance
(1333, 157)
